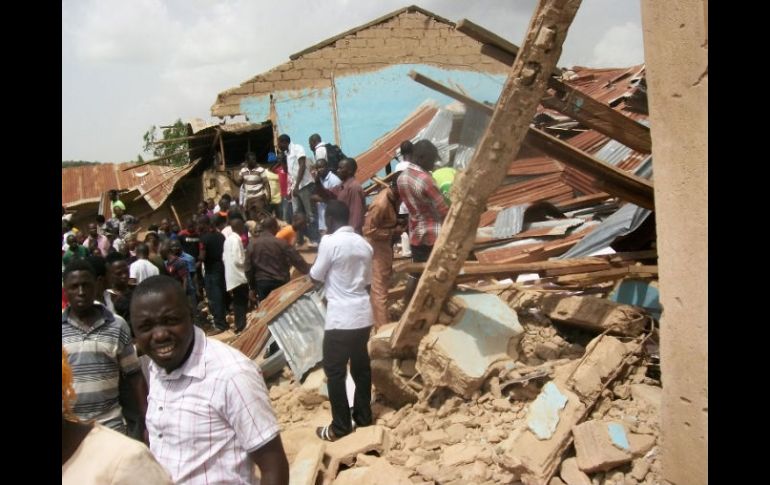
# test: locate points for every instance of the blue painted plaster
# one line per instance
(368, 104)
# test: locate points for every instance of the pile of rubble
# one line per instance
(513, 384)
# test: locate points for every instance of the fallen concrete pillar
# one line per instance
(595, 313)
(485, 331)
(536, 460)
(308, 463)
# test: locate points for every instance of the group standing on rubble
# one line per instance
(134, 333)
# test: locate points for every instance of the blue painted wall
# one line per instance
(369, 105)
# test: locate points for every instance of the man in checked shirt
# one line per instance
(209, 417)
(426, 206)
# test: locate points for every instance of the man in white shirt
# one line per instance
(142, 268)
(328, 180)
(209, 417)
(234, 257)
(303, 185)
(344, 265)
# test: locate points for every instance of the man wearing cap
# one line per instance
(426, 206)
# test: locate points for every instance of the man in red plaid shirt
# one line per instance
(426, 206)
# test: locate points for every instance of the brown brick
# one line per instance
(291, 75)
(357, 43)
(319, 63)
(312, 55)
(394, 43)
(342, 43)
(286, 66)
(384, 33)
(262, 87)
(365, 34)
(273, 76)
(310, 74)
(375, 42)
(329, 53)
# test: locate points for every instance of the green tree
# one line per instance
(165, 148)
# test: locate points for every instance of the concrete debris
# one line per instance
(601, 445)
(308, 463)
(595, 313)
(363, 440)
(434, 439)
(543, 417)
(485, 331)
(647, 395)
(313, 390)
(571, 474)
(389, 384)
(581, 384)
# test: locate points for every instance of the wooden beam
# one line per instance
(499, 145)
(183, 138)
(164, 157)
(585, 109)
(613, 180)
(488, 37)
(598, 116)
(476, 269)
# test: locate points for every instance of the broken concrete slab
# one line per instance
(460, 454)
(362, 440)
(640, 443)
(603, 360)
(486, 331)
(543, 415)
(601, 445)
(391, 385)
(313, 391)
(351, 476)
(647, 395)
(307, 464)
(571, 474)
(594, 313)
(536, 460)
(434, 439)
(640, 469)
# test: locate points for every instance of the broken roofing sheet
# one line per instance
(625, 221)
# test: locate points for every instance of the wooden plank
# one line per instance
(608, 274)
(598, 116)
(488, 37)
(613, 180)
(176, 215)
(585, 109)
(588, 268)
(473, 268)
(164, 157)
(583, 201)
(183, 138)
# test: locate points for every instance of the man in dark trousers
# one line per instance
(269, 260)
(350, 192)
(210, 254)
(344, 266)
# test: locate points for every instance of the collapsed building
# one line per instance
(544, 362)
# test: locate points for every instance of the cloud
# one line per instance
(127, 65)
(620, 46)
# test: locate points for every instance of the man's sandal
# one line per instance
(326, 433)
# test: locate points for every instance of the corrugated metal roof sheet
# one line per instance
(86, 184)
(382, 151)
(624, 221)
(299, 332)
(509, 221)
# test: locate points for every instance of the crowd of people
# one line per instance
(137, 362)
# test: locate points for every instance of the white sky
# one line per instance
(127, 65)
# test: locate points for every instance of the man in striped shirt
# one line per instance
(255, 185)
(209, 416)
(426, 206)
(100, 352)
